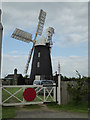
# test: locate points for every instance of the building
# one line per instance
(41, 63)
(14, 79)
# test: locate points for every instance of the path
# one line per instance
(44, 112)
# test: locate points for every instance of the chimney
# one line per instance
(15, 76)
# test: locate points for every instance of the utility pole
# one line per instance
(59, 85)
(59, 68)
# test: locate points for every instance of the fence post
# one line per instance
(23, 97)
(1, 31)
(0, 92)
(59, 90)
(54, 92)
(44, 93)
(0, 99)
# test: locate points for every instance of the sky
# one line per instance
(70, 41)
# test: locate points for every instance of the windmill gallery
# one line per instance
(40, 52)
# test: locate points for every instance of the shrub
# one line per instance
(78, 90)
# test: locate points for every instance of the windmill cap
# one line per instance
(41, 41)
(50, 31)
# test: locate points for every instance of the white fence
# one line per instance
(12, 95)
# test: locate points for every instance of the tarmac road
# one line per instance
(49, 114)
(44, 112)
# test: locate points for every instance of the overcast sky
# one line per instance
(70, 41)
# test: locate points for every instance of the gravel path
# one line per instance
(44, 112)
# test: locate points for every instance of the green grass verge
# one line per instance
(8, 112)
(70, 107)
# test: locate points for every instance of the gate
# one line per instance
(12, 95)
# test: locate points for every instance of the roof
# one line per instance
(41, 41)
(11, 76)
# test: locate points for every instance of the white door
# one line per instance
(37, 77)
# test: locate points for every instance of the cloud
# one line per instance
(70, 20)
(10, 62)
(73, 27)
(13, 52)
(70, 64)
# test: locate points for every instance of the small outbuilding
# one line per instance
(14, 79)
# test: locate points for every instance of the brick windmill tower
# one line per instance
(41, 62)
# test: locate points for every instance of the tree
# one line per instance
(78, 89)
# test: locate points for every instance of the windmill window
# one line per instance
(38, 54)
(38, 64)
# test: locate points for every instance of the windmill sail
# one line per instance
(40, 26)
(21, 35)
(42, 17)
(29, 58)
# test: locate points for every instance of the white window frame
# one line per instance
(38, 64)
(38, 54)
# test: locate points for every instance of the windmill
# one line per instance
(41, 48)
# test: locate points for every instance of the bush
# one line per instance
(78, 90)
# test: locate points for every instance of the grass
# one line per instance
(8, 112)
(70, 107)
(5, 95)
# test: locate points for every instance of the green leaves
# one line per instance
(78, 89)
